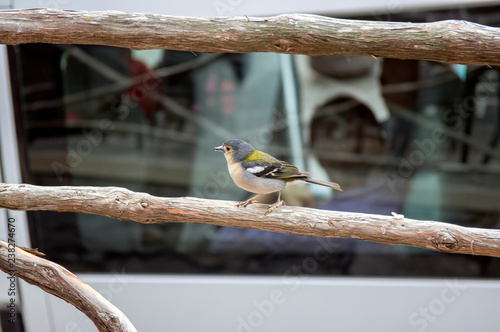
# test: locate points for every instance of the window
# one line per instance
(409, 137)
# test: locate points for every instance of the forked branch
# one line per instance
(56, 280)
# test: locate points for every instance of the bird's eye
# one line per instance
(228, 148)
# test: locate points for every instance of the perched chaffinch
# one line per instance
(260, 173)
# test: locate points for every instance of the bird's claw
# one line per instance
(274, 206)
(245, 203)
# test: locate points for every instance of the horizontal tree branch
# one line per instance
(56, 280)
(124, 204)
(452, 41)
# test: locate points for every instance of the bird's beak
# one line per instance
(219, 148)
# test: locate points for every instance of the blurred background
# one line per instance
(417, 138)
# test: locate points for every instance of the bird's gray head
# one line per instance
(235, 149)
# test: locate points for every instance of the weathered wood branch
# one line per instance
(124, 204)
(58, 281)
(452, 41)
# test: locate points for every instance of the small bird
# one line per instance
(260, 173)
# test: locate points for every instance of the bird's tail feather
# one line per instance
(332, 185)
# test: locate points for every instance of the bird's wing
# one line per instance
(275, 170)
(288, 171)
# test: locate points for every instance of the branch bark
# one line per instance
(452, 41)
(58, 281)
(124, 204)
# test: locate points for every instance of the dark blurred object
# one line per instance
(342, 66)
(486, 15)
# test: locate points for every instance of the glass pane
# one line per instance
(398, 136)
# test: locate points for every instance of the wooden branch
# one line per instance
(124, 204)
(58, 281)
(452, 41)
